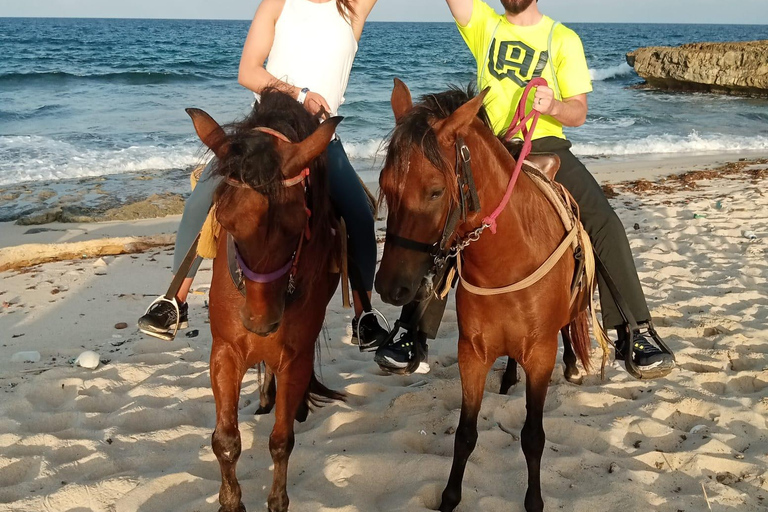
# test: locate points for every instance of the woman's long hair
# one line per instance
(346, 9)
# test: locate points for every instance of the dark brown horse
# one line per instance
(274, 203)
(420, 185)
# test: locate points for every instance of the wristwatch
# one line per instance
(302, 95)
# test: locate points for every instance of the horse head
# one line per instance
(263, 204)
(420, 186)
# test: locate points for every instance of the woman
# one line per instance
(309, 47)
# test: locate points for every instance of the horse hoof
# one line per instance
(264, 409)
(303, 413)
(575, 379)
(239, 508)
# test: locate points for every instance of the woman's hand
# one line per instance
(314, 103)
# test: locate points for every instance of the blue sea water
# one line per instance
(94, 97)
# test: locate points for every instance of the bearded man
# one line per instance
(510, 50)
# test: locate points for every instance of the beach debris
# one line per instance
(29, 356)
(121, 325)
(636, 226)
(699, 215)
(88, 359)
(750, 235)
(194, 333)
(698, 428)
(727, 478)
(714, 331)
(613, 468)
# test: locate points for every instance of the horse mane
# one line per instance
(415, 129)
(253, 159)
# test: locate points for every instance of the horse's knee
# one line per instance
(226, 443)
(281, 445)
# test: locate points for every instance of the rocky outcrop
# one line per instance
(730, 68)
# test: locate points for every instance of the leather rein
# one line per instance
(292, 266)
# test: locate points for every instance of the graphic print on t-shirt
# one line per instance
(515, 60)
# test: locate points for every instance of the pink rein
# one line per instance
(519, 124)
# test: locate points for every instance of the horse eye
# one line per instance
(436, 194)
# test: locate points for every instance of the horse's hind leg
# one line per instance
(267, 392)
(538, 371)
(292, 384)
(571, 372)
(473, 374)
(227, 373)
(509, 378)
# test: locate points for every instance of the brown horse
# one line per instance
(423, 185)
(274, 203)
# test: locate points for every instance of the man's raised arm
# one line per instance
(461, 10)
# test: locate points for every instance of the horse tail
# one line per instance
(580, 340)
(318, 395)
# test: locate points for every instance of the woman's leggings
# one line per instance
(348, 197)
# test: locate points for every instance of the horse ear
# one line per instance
(402, 102)
(297, 157)
(458, 122)
(210, 132)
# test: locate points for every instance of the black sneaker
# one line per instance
(368, 335)
(650, 361)
(404, 356)
(161, 322)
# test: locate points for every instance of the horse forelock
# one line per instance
(253, 159)
(415, 132)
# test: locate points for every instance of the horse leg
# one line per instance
(473, 373)
(267, 392)
(226, 379)
(292, 384)
(538, 372)
(509, 378)
(571, 372)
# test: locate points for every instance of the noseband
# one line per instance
(292, 266)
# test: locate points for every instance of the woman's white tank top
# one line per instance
(314, 47)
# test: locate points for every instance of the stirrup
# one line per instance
(375, 312)
(161, 335)
(629, 357)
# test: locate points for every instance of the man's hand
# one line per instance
(570, 112)
(544, 101)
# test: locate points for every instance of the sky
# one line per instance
(625, 11)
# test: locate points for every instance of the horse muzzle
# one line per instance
(260, 325)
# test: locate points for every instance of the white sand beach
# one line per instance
(134, 434)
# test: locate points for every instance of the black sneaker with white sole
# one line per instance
(404, 356)
(162, 322)
(368, 335)
(650, 361)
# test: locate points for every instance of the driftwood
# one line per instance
(22, 256)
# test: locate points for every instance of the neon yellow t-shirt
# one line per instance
(509, 56)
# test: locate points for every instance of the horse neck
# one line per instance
(527, 229)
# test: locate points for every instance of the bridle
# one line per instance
(290, 268)
(450, 246)
(468, 203)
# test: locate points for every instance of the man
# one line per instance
(510, 50)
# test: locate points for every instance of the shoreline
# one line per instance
(148, 212)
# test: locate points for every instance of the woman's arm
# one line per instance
(363, 9)
(258, 45)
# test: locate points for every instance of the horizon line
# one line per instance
(370, 21)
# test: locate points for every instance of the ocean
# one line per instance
(95, 97)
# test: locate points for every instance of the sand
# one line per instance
(134, 434)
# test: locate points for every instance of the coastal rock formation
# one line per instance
(730, 68)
